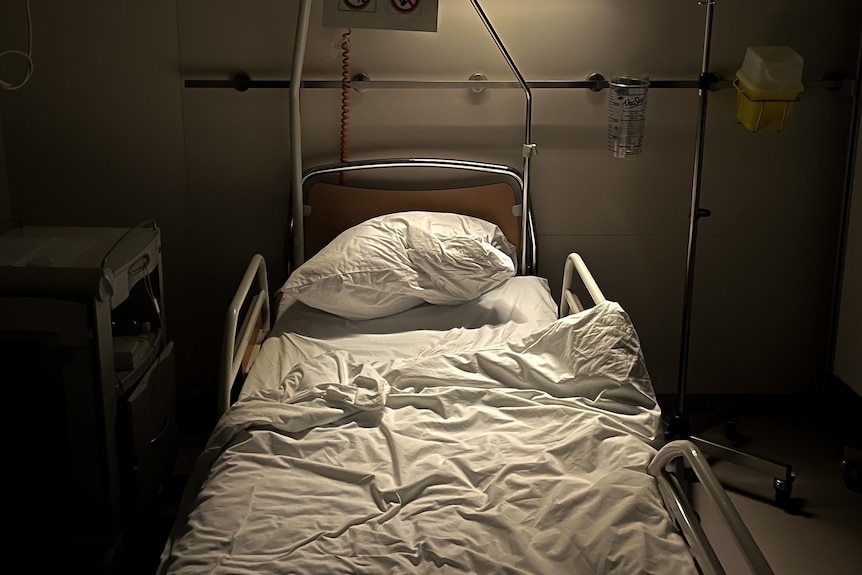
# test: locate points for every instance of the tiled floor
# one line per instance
(820, 531)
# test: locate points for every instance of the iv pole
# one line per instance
(678, 425)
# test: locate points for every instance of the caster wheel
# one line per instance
(783, 490)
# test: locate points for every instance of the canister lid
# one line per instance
(771, 69)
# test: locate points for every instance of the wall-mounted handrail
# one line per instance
(243, 82)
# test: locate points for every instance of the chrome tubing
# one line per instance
(682, 511)
(695, 214)
(296, 223)
(232, 351)
(529, 148)
(413, 163)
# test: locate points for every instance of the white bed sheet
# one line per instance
(506, 313)
(521, 457)
(519, 299)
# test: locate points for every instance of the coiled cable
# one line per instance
(345, 99)
(28, 55)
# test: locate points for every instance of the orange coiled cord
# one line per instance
(345, 97)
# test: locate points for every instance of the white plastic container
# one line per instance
(769, 81)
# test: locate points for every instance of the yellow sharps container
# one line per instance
(767, 85)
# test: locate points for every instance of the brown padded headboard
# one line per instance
(335, 208)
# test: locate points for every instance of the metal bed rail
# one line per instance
(569, 300)
(239, 346)
(677, 503)
(446, 163)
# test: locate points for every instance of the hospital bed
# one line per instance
(412, 400)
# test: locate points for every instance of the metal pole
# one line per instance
(696, 211)
(296, 231)
(851, 172)
(529, 148)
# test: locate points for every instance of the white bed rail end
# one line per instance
(569, 301)
(240, 342)
(677, 503)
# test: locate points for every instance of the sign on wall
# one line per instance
(419, 15)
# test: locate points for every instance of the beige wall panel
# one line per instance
(825, 33)
(95, 137)
(580, 189)
(760, 315)
(238, 162)
(221, 37)
(751, 334)
(444, 123)
(551, 39)
(776, 183)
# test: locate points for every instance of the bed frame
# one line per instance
(248, 324)
(323, 204)
(492, 192)
(339, 196)
(330, 208)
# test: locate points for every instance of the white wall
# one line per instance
(105, 134)
(848, 362)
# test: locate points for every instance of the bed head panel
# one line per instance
(336, 197)
(333, 208)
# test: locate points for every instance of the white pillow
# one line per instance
(395, 262)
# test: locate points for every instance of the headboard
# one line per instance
(334, 208)
(491, 192)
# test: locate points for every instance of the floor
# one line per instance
(818, 531)
(143, 546)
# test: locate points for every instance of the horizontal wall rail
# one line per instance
(242, 82)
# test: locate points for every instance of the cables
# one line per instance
(28, 56)
(345, 99)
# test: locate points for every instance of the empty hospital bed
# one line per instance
(411, 400)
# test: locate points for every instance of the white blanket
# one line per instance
(522, 457)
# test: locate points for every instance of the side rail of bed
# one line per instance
(569, 300)
(246, 326)
(674, 495)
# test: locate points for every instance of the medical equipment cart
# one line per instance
(88, 374)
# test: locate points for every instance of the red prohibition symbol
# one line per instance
(356, 4)
(405, 6)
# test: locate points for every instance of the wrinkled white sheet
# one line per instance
(521, 457)
(507, 313)
(519, 299)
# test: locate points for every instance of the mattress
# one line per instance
(508, 312)
(518, 454)
(519, 299)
